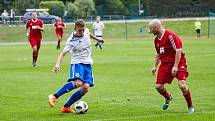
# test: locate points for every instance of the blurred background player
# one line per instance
(98, 27)
(198, 27)
(35, 35)
(173, 63)
(59, 26)
(79, 45)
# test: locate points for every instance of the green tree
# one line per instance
(111, 7)
(21, 5)
(55, 7)
(81, 8)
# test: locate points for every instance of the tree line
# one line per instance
(84, 8)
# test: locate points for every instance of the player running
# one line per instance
(35, 35)
(59, 26)
(173, 63)
(98, 27)
(79, 45)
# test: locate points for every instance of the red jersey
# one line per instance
(167, 46)
(58, 27)
(34, 31)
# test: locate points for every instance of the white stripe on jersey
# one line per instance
(73, 70)
(172, 42)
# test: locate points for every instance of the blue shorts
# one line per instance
(82, 72)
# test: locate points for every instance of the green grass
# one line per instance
(124, 88)
(112, 31)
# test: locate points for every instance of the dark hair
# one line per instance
(79, 23)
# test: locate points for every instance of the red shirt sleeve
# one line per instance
(41, 23)
(175, 41)
(27, 24)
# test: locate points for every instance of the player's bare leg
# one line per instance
(35, 55)
(59, 42)
(162, 90)
(187, 95)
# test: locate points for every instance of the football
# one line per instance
(81, 107)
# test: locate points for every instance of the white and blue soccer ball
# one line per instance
(81, 107)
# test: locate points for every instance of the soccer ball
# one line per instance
(81, 107)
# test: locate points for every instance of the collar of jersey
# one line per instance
(33, 20)
(162, 35)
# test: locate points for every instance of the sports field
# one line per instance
(124, 88)
(111, 31)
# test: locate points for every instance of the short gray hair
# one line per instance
(155, 22)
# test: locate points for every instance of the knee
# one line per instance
(183, 87)
(159, 87)
(85, 88)
(35, 48)
(78, 83)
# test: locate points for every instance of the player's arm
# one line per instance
(55, 26)
(156, 63)
(40, 28)
(64, 26)
(94, 27)
(97, 39)
(103, 26)
(177, 60)
(60, 58)
(27, 27)
(177, 46)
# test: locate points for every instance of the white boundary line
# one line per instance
(145, 116)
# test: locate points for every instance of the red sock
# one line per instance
(165, 94)
(188, 98)
(58, 43)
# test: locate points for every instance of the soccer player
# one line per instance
(173, 63)
(35, 35)
(59, 26)
(80, 76)
(98, 27)
(198, 27)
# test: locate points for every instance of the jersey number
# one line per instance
(161, 50)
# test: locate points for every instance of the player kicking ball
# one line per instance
(81, 76)
(173, 63)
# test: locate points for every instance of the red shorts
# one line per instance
(35, 42)
(165, 73)
(59, 34)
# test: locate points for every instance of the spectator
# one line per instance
(12, 16)
(4, 16)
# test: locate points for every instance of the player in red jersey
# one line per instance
(173, 63)
(35, 35)
(59, 26)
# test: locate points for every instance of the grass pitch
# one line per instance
(111, 31)
(124, 88)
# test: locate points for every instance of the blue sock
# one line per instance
(66, 88)
(75, 97)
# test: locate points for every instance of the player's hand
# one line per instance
(154, 70)
(56, 69)
(101, 40)
(174, 70)
(40, 28)
(27, 34)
